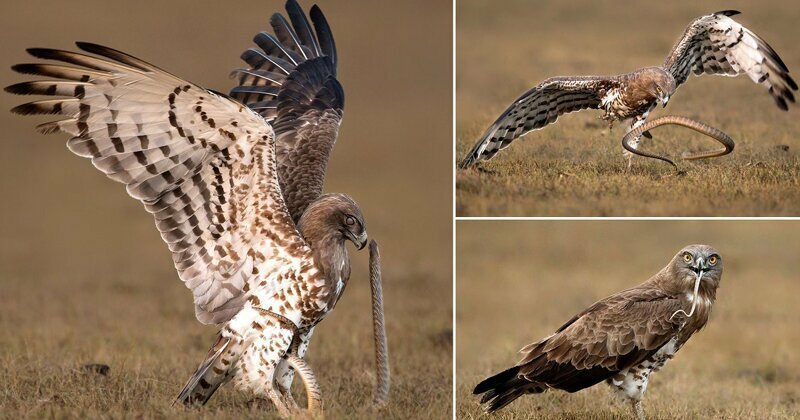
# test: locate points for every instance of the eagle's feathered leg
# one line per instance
(269, 342)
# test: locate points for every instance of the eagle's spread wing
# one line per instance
(201, 163)
(613, 334)
(717, 44)
(292, 83)
(537, 108)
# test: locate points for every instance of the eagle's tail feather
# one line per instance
(494, 381)
(505, 399)
(503, 388)
(213, 372)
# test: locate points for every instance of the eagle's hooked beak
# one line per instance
(664, 100)
(700, 265)
(359, 241)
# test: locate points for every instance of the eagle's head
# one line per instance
(695, 260)
(655, 84)
(333, 216)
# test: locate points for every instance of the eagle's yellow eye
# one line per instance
(687, 257)
(712, 260)
(658, 89)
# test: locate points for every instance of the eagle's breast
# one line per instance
(617, 104)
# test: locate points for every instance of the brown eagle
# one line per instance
(621, 339)
(711, 44)
(234, 184)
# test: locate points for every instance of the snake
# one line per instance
(382, 377)
(695, 125)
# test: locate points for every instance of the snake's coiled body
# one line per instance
(313, 392)
(698, 126)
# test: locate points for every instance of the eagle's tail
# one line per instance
(215, 370)
(505, 387)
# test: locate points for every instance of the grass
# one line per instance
(575, 166)
(85, 278)
(152, 344)
(519, 281)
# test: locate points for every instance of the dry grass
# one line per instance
(518, 281)
(85, 277)
(575, 167)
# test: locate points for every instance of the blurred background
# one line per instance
(85, 277)
(575, 167)
(518, 281)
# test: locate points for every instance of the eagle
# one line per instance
(621, 339)
(711, 44)
(234, 183)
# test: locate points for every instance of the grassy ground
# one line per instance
(575, 166)
(85, 278)
(518, 281)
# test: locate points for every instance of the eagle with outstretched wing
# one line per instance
(711, 44)
(622, 339)
(234, 184)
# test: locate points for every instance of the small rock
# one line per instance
(782, 147)
(97, 368)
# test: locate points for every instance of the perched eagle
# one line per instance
(235, 185)
(711, 44)
(621, 339)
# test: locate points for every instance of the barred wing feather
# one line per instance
(201, 163)
(717, 44)
(538, 108)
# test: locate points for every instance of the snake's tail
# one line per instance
(382, 384)
(698, 126)
(313, 392)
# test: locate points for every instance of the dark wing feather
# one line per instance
(292, 83)
(324, 35)
(287, 36)
(185, 152)
(717, 44)
(303, 28)
(613, 334)
(537, 108)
